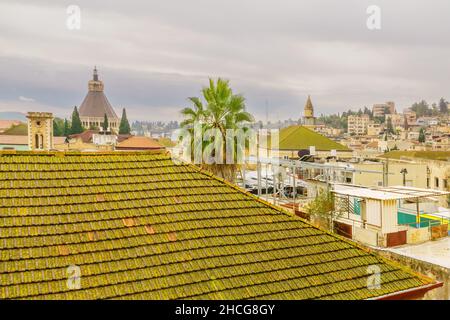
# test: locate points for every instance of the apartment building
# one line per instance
(380, 109)
(374, 128)
(357, 125)
(397, 119)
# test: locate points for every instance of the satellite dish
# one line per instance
(303, 152)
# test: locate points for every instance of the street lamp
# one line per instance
(404, 172)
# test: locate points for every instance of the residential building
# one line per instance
(437, 164)
(388, 216)
(374, 128)
(410, 116)
(357, 124)
(387, 145)
(427, 121)
(380, 109)
(376, 174)
(397, 119)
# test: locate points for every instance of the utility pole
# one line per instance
(294, 190)
(258, 169)
(385, 173)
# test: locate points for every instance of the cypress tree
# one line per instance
(105, 124)
(124, 127)
(66, 130)
(57, 131)
(422, 135)
(76, 122)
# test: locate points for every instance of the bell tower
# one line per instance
(308, 114)
(40, 130)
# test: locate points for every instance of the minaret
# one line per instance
(308, 114)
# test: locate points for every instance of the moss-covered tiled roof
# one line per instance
(427, 155)
(139, 226)
(300, 137)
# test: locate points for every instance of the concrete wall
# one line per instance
(366, 236)
(417, 235)
(416, 177)
(389, 216)
(433, 271)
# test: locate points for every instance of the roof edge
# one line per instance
(409, 293)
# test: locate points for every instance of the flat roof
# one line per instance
(387, 193)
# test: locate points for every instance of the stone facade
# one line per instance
(40, 130)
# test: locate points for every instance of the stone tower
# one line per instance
(40, 130)
(308, 114)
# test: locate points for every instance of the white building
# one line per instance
(389, 216)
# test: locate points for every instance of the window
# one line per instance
(428, 182)
(445, 183)
(436, 182)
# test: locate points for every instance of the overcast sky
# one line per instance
(152, 55)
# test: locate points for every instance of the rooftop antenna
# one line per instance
(267, 111)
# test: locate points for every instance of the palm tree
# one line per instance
(220, 110)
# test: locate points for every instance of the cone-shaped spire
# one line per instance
(308, 113)
(308, 105)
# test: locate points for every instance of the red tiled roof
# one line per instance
(139, 143)
(23, 140)
(85, 136)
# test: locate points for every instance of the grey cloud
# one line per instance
(152, 55)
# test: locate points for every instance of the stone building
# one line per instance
(95, 105)
(380, 109)
(40, 130)
(358, 124)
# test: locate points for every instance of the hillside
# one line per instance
(18, 130)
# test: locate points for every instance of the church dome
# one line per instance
(95, 104)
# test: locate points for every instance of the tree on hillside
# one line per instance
(105, 124)
(421, 108)
(443, 106)
(124, 127)
(422, 135)
(66, 129)
(405, 123)
(389, 126)
(221, 110)
(58, 127)
(76, 122)
(368, 112)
